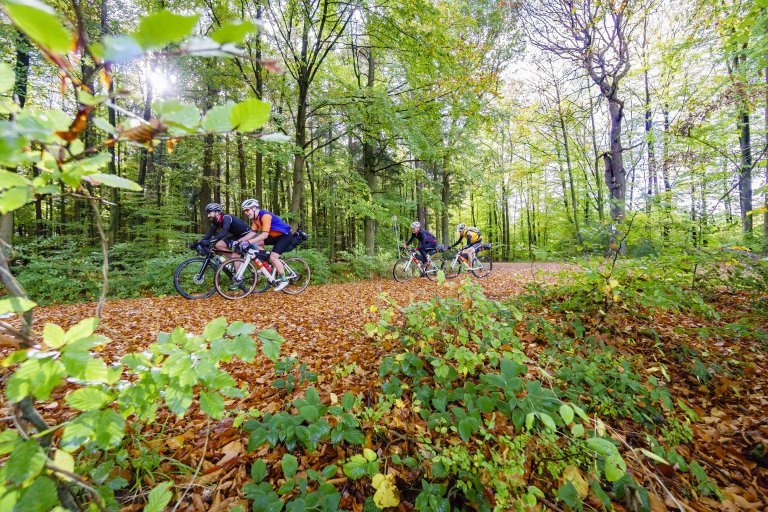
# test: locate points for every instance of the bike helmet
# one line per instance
(461, 227)
(212, 207)
(415, 224)
(250, 203)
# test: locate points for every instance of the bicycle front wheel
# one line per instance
(229, 286)
(452, 268)
(298, 274)
(404, 270)
(193, 278)
(483, 265)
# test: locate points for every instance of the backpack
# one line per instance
(298, 238)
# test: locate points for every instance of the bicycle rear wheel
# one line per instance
(230, 288)
(434, 267)
(298, 274)
(193, 278)
(482, 265)
(404, 270)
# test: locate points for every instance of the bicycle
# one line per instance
(194, 278)
(480, 266)
(409, 267)
(250, 269)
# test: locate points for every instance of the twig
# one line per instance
(78, 480)
(17, 334)
(199, 465)
(104, 251)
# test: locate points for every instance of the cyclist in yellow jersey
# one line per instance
(473, 237)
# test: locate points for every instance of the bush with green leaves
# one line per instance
(178, 372)
(490, 413)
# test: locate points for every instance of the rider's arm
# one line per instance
(226, 220)
(210, 232)
(457, 242)
(410, 239)
(266, 224)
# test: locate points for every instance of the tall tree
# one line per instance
(307, 31)
(596, 35)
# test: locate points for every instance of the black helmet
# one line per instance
(212, 207)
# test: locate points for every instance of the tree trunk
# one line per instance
(241, 172)
(615, 177)
(259, 164)
(653, 186)
(301, 129)
(598, 185)
(114, 212)
(745, 176)
(369, 166)
(445, 198)
(765, 193)
(145, 163)
(665, 177)
(205, 185)
(569, 167)
(20, 92)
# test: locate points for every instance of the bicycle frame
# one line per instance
(250, 255)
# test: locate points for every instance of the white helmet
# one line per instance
(461, 227)
(415, 224)
(250, 203)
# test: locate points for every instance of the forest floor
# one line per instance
(324, 328)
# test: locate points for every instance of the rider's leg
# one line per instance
(282, 245)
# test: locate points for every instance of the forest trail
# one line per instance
(324, 320)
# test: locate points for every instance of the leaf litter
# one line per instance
(323, 328)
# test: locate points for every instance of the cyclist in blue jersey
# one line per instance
(427, 241)
(228, 229)
(269, 229)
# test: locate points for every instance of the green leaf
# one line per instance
(217, 119)
(104, 125)
(271, 340)
(81, 329)
(39, 497)
(162, 28)
(244, 347)
(215, 329)
(178, 399)
(232, 32)
(577, 430)
(7, 77)
(290, 464)
(548, 421)
(109, 429)
(348, 401)
(158, 498)
(569, 495)
(369, 455)
(358, 467)
(114, 181)
(10, 179)
(237, 328)
(249, 115)
(40, 23)
(53, 335)
(87, 399)
(26, 461)
(15, 305)
(14, 198)
(8, 441)
(212, 404)
(259, 471)
(566, 413)
(178, 114)
(615, 468)
(310, 413)
(37, 377)
(602, 446)
(468, 426)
